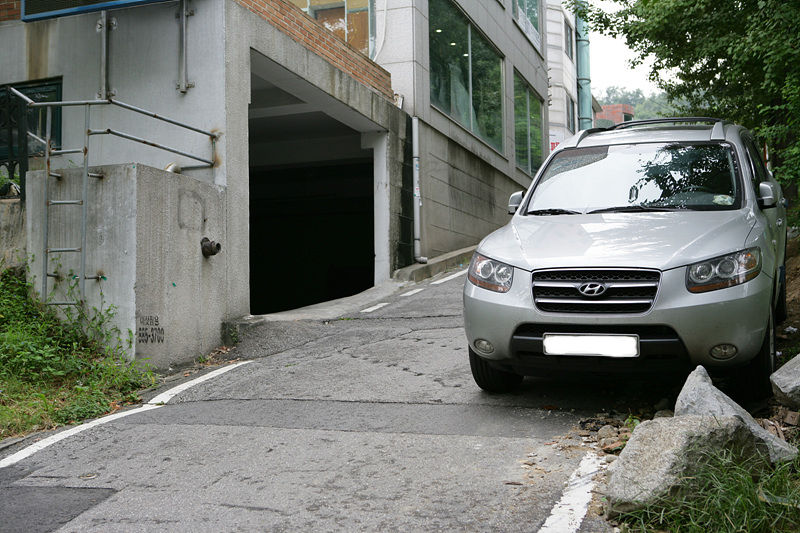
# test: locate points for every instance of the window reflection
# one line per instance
(683, 176)
(466, 73)
(527, 126)
(350, 20)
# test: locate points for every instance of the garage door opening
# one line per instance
(311, 234)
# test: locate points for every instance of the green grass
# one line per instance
(51, 372)
(727, 496)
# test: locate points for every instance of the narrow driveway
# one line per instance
(365, 422)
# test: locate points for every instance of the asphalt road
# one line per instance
(369, 421)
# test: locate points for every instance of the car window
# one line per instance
(639, 176)
(757, 166)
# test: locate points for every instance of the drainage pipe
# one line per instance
(585, 120)
(417, 196)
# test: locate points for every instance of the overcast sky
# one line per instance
(609, 62)
(609, 66)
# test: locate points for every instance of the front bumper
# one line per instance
(678, 332)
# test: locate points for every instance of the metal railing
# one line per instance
(204, 162)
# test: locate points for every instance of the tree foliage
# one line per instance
(738, 60)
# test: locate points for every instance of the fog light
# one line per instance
(723, 351)
(484, 346)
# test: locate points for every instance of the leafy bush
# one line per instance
(53, 372)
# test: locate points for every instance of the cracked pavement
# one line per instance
(368, 422)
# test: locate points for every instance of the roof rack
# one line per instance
(668, 120)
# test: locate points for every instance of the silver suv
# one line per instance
(652, 245)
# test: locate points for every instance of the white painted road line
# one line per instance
(165, 397)
(448, 278)
(373, 308)
(411, 293)
(568, 513)
(155, 403)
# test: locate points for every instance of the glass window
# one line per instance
(350, 20)
(640, 177)
(466, 73)
(526, 13)
(39, 91)
(569, 41)
(527, 126)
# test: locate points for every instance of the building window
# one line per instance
(569, 41)
(466, 73)
(526, 13)
(528, 129)
(570, 112)
(351, 20)
(38, 91)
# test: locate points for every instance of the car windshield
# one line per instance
(638, 177)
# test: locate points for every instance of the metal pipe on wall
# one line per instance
(417, 195)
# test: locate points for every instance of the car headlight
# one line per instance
(724, 271)
(490, 274)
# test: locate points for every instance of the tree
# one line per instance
(738, 60)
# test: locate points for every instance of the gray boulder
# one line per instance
(664, 451)
(786, 383)
(700, 397)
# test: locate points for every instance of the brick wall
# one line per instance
(312, 35)
(10, 10)
(615, 113)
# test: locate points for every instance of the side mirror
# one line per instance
(515, 201)
(768, 195)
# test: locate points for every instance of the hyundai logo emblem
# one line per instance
(592, 289)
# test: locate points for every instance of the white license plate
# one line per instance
(596, 345)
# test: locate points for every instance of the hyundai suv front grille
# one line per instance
(595, 291)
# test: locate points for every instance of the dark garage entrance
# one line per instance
(311, 234)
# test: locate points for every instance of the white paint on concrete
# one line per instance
(374, 308)
(44, 443)
(448, 278)
(159, 401)
(568, 513)
(411, 293)
(165, 397)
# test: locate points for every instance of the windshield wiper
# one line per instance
(553, 211)
(635, 208)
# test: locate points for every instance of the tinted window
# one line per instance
(683, 176)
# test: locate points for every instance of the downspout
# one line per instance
(417, 196)
(585, 120)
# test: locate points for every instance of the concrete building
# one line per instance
(570, 79)
(318, 170)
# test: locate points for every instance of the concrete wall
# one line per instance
(12, 234)
(144, 231)
(251, 44)
(143, 70)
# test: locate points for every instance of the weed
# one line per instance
(53, 372)
(727, 495)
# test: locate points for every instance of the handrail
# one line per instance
(110, 101)
(87, 134)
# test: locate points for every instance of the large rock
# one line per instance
(786, 383)
(700, 397)
(664, 451)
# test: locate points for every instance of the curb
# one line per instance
(437, 265)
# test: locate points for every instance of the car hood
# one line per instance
(646, 240)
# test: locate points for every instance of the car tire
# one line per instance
(754, 378)
(491, 379)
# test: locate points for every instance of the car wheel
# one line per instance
(754, 378)
(491, 379)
